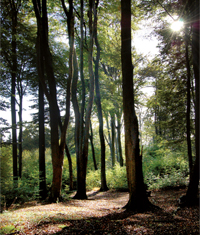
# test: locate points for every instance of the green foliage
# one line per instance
(164, 167)
(116, 178)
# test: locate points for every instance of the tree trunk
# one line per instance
(44, 55)
(99, 110)
(113, 136)
(13, 94)
(83, 156)
(188, 102)
(138, 200)
(42, 168)
(92, 147)
(192, 192)
(119, 140)
(71, 184)
(20, 135)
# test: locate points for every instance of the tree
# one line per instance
(192, 192)
(44, 60)
(138, 200)
(82, 132)
(104, 186)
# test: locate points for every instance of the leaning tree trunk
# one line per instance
(92, 147)
(138, 200)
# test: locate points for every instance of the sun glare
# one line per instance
(177, 25)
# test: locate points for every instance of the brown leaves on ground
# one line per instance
(102, 213)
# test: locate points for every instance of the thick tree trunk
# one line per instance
(42, 168)
(138, 200)
(44, 55)
(192, 192)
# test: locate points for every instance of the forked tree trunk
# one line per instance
(49, 88)
(138, 200)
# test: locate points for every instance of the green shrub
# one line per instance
(115, 177)
(165, 168)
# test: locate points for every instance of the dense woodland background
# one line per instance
(66, 56)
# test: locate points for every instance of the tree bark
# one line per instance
(71, 184)
(188, 102)
(20, 92)
(42, 168)
(92, 147)
(113, 136)
(44, 55)
(104, 186)
(138, 200)
(13, 91)
(119, 140)
(192, 192)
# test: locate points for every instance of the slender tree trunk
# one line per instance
(92, 147)
(99, 108)
(138, 200)
(20, 133)
(13, 94)
(42, 168)
(119, 141)
(71, 184)
(83, 156)
(188, 102)
(113, 136)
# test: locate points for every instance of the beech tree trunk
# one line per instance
(119, 140)
(71, 184)
(104, 186)
(42, 168)
(13, 91)
(188, 102)
(192, 192)
(92, 146)
(113, 136)
(138, 200)
(49, 88)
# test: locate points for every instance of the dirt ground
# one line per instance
(103, 213)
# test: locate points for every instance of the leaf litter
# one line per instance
(103, 213)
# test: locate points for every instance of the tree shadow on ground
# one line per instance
(157, 221)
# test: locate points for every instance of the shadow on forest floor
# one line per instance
(103, 214)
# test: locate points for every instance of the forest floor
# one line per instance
(102, 213)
